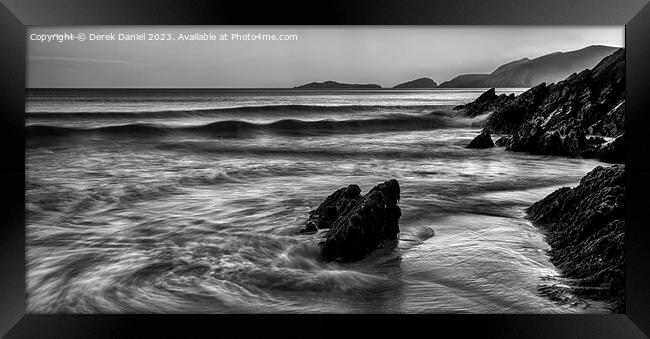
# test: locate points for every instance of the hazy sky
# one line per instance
(385, 55)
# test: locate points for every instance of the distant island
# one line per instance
(418, 83)
(336, 85)
(549, 68)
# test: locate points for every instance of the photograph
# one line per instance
(325, 169)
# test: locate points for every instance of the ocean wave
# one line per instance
(207, 112)
(285, 127)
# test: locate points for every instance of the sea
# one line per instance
(190, 201)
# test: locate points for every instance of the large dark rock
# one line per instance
(358, 225)
(555, 119)
(483, 140)
(585, 227)
(486, 103)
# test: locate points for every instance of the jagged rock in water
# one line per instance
(335, 205)
(363, 224)
(585, 227)
(483, 140)
(486, 103)
(503, 141)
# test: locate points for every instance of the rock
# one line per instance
(503, 141)
(483, 140)
(486, 103)
(613, 151)
(595, 140)
(530, 137)
(525, 138)
(362, 224)
(585, 227)
(510, 117)
(613, 123)
(338, 203)
(418, 83)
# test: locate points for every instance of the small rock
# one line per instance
(483, 140)
(503, 141)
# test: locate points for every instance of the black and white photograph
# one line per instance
(325, 169)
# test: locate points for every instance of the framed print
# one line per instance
(477, 168)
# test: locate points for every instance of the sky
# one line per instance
(384, 55)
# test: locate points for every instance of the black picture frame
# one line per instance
(15, 15)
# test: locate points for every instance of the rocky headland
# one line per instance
(559, 119)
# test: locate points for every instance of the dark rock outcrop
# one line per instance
(336, 85)
(529, 72)
(358, 224)
(555, 119)
(483, 140)
(585, 227)
(418, 83)
(486, 103)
